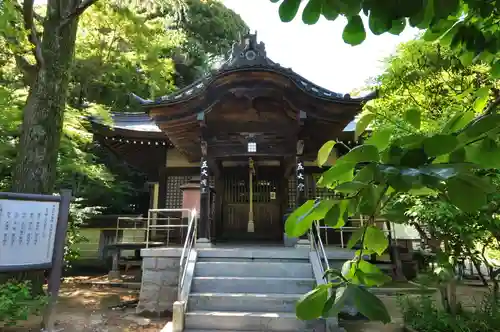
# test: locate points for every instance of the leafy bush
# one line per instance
(16, 303)
(423, 315)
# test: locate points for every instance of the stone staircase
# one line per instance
(249, 290)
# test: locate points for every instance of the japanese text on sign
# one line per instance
(27, 232)
(204, 176)
(300, 176)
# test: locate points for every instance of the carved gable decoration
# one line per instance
(248, 53)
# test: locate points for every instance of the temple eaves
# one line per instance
(250, 55)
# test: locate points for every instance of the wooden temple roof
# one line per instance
(132, 136)
(249, 95)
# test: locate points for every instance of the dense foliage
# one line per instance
(436, 136)
(470, 27)
(424, 315)
(118, 49)
(16, 303)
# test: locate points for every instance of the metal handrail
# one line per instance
(186, 251)
(152, 216)
(350, 229)
(318, 247)
(141, 224)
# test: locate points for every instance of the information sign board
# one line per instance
(27, 233)
(32, 237)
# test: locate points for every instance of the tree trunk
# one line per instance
(36, 162)
(397, 265)
(477, 266)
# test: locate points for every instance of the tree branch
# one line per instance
(29, 25)
(77, 12)
(37, 17)
(491, 107)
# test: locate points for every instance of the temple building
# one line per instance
(248, 135)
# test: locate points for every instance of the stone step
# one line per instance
(253, 259)
(247, 321)
(261, 285)
(192, 330)
(268, 253)
(243, 302)
(254, 269)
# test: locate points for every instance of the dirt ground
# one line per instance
(86, 308)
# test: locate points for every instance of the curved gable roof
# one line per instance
(249, 55)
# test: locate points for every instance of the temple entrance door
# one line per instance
(268, 224)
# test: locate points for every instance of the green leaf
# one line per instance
(363, 122)
(411, 141)
(376, 240)
(378, 24)
(396, 213)
(312, 12)
(485, 153)
(380, 138)
(324, 152)
(362, 153)
(440, 144)
(397, 26)
(423, 18)
(367, 174)
(355, 237)
(322, 209)
(337, 215)
(414, 158)
(482, 96)
(495, 70)
(354, 32)
(330, 11)
(350, 187)
(370, 305)
(288, 10)
(458, 156)
(341, 170)
(368, 198)
(338, 301)
(310, 305)
(412, 116)
(467, 58)
(299, 221)
(457, 122)
(481, 126)
(333, 272)
(372, 275)
(349, 7)
(347, 267)
(445, 8)
(465, 195)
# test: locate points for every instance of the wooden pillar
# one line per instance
(203, 238)
(162, 183)
(301, 187)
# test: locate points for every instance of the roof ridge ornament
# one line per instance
(248, 52)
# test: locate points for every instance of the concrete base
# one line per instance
(160, 278)
(178, 316)
(203, 243)
(114, 275)
(250, 226)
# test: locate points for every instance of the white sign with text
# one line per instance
(27, 232)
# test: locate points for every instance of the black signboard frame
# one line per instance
(56, 266)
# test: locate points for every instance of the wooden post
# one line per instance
(251, 224)
(54, 283)
(203, 238)
(301, 195)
